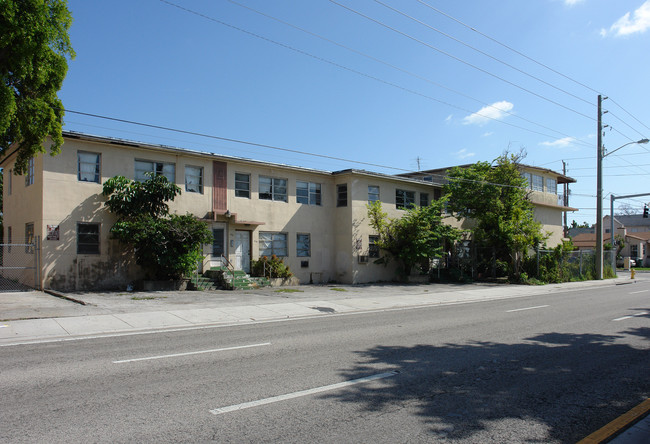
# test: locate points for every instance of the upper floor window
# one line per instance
(373, 193)
(404, 199)
(272, 188)
(243, 185)
(342, 195)
(142, 167)
(424, 199)
(88, 167)
(9, 184)
(308, 193)
(29, 178)
(529, 179)
(193, 179)
(538, 183)
(551, 186)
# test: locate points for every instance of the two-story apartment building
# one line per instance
(315, 220)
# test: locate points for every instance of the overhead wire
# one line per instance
(460, 60)
(338, 65)
(402, 70)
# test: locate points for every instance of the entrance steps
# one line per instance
(222, 278)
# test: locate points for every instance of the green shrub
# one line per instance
(270, 268)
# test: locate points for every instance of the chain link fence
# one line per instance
(18, 265)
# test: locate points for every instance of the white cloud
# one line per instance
(448, 119)
(488, 134)
(463, 154)
(572, 2)
(562, 143)
(640, 22)
(496, 111)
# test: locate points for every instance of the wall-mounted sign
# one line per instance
(53, 232)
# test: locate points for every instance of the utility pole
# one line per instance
(599, 193)
(565, 200)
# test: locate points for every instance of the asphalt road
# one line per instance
(550, 368)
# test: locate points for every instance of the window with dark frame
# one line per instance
(218, 242)
(242, 185)
(88, 167)
(193, 179)
(424, 199)
(271, 188)
(87, 238)
(404, 199)
(303, 245)
(373, 248)
(308, 193)
(373, 193)
(342, 195)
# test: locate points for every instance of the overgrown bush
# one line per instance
(270, 268)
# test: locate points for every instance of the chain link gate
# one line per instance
(19, 269)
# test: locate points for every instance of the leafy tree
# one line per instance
(166, 246)
(417, 236)
(494, 195)
(34, 45)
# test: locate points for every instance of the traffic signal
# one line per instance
(645, 211)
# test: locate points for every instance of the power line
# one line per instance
(509, 48)
(460, 60)
(410, 73)
(482, 52)
(338, 65)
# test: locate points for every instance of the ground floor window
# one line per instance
(87, 238)
(29, 238)
(273, 243)
(303, 245)
(373, 248)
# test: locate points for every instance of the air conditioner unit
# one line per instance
(363, 259)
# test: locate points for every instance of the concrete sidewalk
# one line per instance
(37, 316)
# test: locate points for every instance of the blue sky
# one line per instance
(393, 83)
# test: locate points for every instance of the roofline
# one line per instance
(441, 171)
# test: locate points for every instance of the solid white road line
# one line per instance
(325, 388)
(527, 308)
(191, 353)
(643, 313)
(641, 291)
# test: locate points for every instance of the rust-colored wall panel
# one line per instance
(220, 184)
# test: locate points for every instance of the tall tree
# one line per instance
(34, 47)
(494, 195)
(416, 236)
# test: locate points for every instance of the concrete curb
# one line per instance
(619, 425)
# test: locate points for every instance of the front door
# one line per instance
(243, 250)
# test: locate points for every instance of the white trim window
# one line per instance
(373, 193)
(528, 177)
(142, 167)
(303, 245)
(193, 179)
(404, 199)
(243, 185)
(88, 167)
(538, 183)
(272, 188)
(308, 193)
(273, 244)
(29, 178)
(551, 185)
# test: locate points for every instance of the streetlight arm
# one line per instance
(623, 146)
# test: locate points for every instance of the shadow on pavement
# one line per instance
(570, 384)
